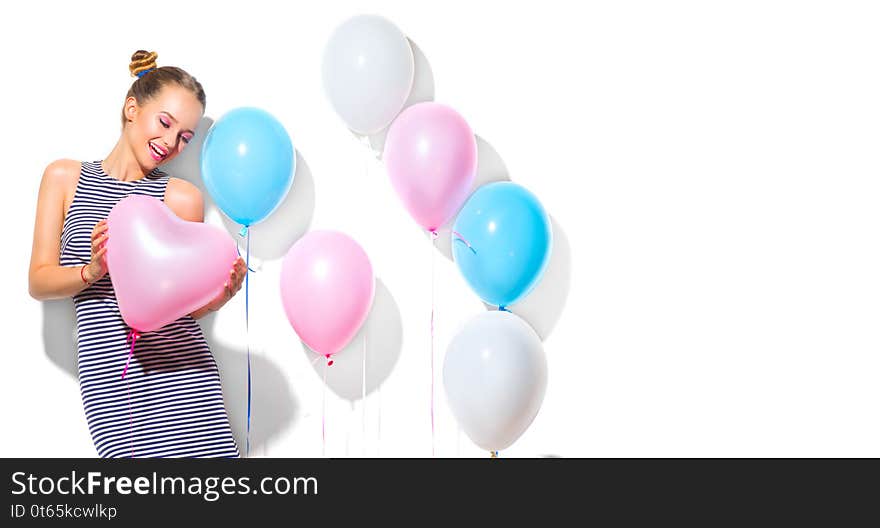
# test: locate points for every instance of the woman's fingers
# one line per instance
(241, 271)
(100, 227)
(236, 277)
(237, 274)
(99, 243)
(239, 267)
(99, 236)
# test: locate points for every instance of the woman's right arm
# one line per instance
(47, 279)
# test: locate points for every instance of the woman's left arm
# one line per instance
(186, 201)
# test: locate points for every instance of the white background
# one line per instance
(711, 169)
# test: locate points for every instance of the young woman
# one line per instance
(170, 403)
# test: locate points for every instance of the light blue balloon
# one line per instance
(510, 238)
(247, 164)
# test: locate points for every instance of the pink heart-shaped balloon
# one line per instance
(163, 267)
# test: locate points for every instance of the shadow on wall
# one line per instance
(59, 334)
(490, 168)
(422, 91)
(187, 164)
(271, 238)
(542, 307)
(384, 335)
(273, 406)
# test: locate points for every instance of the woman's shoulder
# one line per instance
(183, 189)
(62, 170)
(185, 199)
(62, 174)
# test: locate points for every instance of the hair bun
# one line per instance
(142, 61)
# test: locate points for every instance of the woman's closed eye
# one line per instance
(185, 137)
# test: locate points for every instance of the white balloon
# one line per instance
(368, 72)
(495, 376)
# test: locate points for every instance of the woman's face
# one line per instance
(159, 129)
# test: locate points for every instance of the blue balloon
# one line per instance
(247, 164)
(507, 240)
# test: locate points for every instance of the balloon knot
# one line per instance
(132, 334)
(243, 231)
(132, 338)
(434, 234)
(329, 361)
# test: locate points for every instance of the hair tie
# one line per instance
(141, 74)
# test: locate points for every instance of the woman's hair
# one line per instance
(150, 79)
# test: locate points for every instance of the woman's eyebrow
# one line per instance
(175, 120)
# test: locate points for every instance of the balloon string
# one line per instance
(366, 142)
(324, 407)
(348, 429)
(364, 399)
(239, 254)
(132, 337)
(457, 235)
(324, 414)
(433, 434)
(463, 239)
(379, 424)
(130, 416)
(248, 336)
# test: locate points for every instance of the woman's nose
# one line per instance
(170, 142)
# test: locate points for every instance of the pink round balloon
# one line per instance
(327, 289)
(163, 267)
(431, 157)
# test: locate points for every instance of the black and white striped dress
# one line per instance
(173, 384)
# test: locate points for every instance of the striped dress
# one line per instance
(170, 403)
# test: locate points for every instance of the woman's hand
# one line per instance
(231, 286)
(97, 268)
